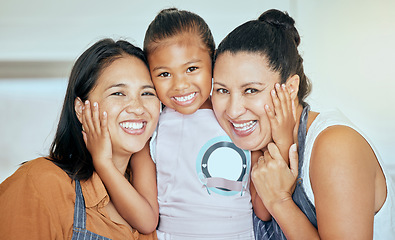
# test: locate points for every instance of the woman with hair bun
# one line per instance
(341, 191)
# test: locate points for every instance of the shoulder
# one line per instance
(338, 140)
(40, 176)
(341, 151)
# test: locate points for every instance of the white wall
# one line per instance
(346, 45)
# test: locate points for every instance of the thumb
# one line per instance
(293, 160)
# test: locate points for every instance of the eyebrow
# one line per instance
(117, 85)
(124, 85)
(148, 86)
(244, 85)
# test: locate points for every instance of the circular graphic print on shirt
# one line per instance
(222, 167)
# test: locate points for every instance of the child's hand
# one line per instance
(282, 119)
(96, 135)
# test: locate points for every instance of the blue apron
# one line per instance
(79, 225)
(265, 230)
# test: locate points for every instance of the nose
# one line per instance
(235, 107)
(180, 82)
(135, 106)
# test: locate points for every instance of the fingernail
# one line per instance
(283, 86)
(273, 92)
(293, 147)
(277, 85)
(87, 102)
(104, 113)
(95, 104)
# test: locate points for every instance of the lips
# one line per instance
(244, 128)
(185, 99)
(133, 127)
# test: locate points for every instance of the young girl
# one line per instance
(203, 178)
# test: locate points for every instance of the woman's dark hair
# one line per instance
(171, 22)
(68, 149)
(274, 36)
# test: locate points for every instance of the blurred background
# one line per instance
(347, 46)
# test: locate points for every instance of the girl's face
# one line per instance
(242, 85)
(181, 69)
(125, 91)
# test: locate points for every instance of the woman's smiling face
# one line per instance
(242, 85)
(125, 91)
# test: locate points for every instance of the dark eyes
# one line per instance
(246, 91)
(148, 94)
(251, 90)
(164, 74)
(167, 74)
(222, 90)
(191, 69)
(118, 94)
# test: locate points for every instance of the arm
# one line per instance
(137, 206)
(343, 182)
(282, 122)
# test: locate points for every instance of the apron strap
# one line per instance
(79, 208)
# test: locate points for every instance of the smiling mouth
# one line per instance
(244, 129)
(132, 125)
(185, 99)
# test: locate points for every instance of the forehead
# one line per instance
(243, 67)
(127, 69)
(186, 41)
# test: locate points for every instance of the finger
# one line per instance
(87, 114)
(271, 116)
(276, 101)
(293, 160)
(274, 152)
(84, 124)
(267, 157)
(96, 117)
(282, 99)
(288, 100)
(103, 124)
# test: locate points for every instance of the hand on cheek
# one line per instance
(96, 135)
(282, 119)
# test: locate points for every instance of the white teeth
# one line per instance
(244, 126)
(185, 98)
(132, 125)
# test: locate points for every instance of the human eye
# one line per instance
(191, 69)
(148, 94)
(164, 74)
(117, 94)
(251, 90)
(221, 90)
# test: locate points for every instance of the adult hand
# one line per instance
(274, 181)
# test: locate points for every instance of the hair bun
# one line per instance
(281, 20)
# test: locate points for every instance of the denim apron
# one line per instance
(79, 225)
(265, 230)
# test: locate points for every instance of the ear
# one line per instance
(78, 105)
(292, 84)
